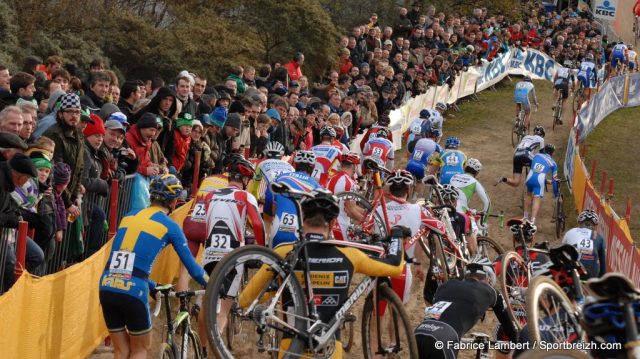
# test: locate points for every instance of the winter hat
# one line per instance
(39, 162)
(11, 140)
(233, 121)
(95, 128)
(197, 123)
(184, 119)
(120, 117)
(61, 173)
(219, 116)
(22, 164)
(273, 113)
(53, 99)
(107, 110)
(69, 100)
(149, 120)
(205, 120)
(236, 106)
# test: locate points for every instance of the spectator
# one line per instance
(22, 86)
(197, 144)
(199, 88)
(5, 78)
(62, 78)
(185, 103)
(119, 160)
(11, 120)
(29, 117)
(282, 131)
(129, 94)
(243, 140)
(140, 138)
(230, 130)
(235, 75)
(295, 66)
(260, 135)
(164, 106)
(344, 63)
(213, 136)
(96, 95)
(179, 142)
(61, 178)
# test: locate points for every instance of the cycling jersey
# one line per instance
(619, 53)
(422, 151)
(415, 129)
(342, 182)
(327, 163)
(266, 173)
(227, 214)
(140, 237)
(524, 152)
(332, 265)
(587, 71)
(541, 164)
(563, 77)
(457, 306)
(370, 132)
(467, 185)
(436, 120)
(451, 162)
(284, 228)
(379, 150)
(633, 59)
(522, 91)
(592, 250)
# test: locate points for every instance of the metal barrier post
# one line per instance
(604, 182)
(593, 169)
(21, 248)
(113, 207)
(627, 215)
(196, 174)
(583, 151)
(610, 194)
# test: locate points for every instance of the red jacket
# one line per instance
(180, 149)
(295, 72)
(140, 148)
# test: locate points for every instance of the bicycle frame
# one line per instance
(182, 315)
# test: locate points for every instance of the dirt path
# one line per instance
(484, 128)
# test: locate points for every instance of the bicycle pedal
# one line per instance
(350, 317)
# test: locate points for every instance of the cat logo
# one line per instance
(341, 279)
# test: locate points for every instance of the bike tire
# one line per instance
(346, 335)
(514, 280)
(166, 351)
(226, 269)
(438, 269)
(488, 242)
(514, 133)
(559, 214)
(190, 339)
(400, 321)
(379, 228)
(541, 289)
(556, 113)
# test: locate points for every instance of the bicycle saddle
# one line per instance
(431, 180)
(565, 255)
(612, 285)
(512, 221)
(371, 165)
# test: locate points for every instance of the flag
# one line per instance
(583, 6)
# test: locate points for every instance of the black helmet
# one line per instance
(322, 201)
(538, 130)
(549, 149)
(239, 167)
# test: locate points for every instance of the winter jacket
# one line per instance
(142, 150)
(92, 170)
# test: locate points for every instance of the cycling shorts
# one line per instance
(431, 331)
(632, 66)
(584, 81)
(535, 184)
(615, 58)
(123, 312)
(525, 106)
(416, 168)
(521, 159)
(563, 86)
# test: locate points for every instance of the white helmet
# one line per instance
(441, 106)
(588, 215)
(305, 157)
(481, 264)
(474, 164)
(273, 149)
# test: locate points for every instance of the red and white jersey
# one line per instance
(403, 213)
(227, 213)
(342, 182)
(381, 151)
(327, 162)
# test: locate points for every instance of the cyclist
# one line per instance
(450, 162)
(521, 98)
(561, 81)
(327, 156)
(457, 306)
(525, 231)
(437, 116)
(588, 72)
(523, 155)
(633, 59)
(125, 283)
(228, 211)
(319, 213)
(619, 54)
(344, 181)
(416, 128)
(270, 168)
(467, 186)
(589, 243)
(279, 210)
(380, 149)
(422, 153)
(383, 123)
(541, 165)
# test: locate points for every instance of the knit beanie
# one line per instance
(233, 121)
(184, 119)
(39, 162)
(218, 116)
(61, 173)
(95, 128)
(149, 120)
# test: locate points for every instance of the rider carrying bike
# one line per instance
(125, 283)
(561, 81)
(450, 162)
(457, 307)
(344, 181)
(319, 213)
(521, 98)
(589, 243)
(269, 169)
(327, 156)
(588, 72)
(416, 128)
(523, 155)
(380, 149)
(541, 165)
(467, 185)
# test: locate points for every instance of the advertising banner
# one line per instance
(605, 9)
(534, 63)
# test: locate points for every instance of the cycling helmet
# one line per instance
(452, 142)
(588, 215)
(606, 320)
(527, 78)
(321, 201)
(436, 132)
(425, 113)
(400, 177)
(630, 47)
(273, 150)
(474, 164)
(382, 133)
(539, 130)
(528, 229)
(305, 157)
(384, 120)
(239, 167)
(549, 149)
(350, 157)
(449, 193)
(165, 188)
(328, 131)
(441, 106)
(568, 63)
(588, 57)
(482, 265)
(620, 42)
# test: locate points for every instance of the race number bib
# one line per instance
(199, 213)
(436, 310)
(452, 160)
(219, 245)
(317, 172)
(122, 263)
(289, 220)
(417, 155)
(538, 168)
(377, 152)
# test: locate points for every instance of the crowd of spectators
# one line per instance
(64, 135)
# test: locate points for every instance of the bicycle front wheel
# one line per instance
(273, 301)
(560, 218)
(372, 223)
(190, 343)
(386, 328)
(489, 248)
(514, 133)
(166, 352)
(514, 280)
(550, 313)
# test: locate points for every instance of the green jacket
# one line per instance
(70, 150)
(239, 82)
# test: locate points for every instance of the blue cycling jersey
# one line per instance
(141, 236)
(541, 164)
(284, 228)
(521, 93)
(451, 163)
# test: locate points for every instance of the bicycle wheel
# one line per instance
(190, 346)
(224, 283)
(234, 322)
(489, 248)
(559, 216)
(514, 132)
(438, 271)
(372, 223)
(577, 100)
(514, 280)
(396, 339)
(551, 314)
(556, 113)
(346, 332)
(166, 352)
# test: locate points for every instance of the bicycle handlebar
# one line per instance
(168, 291)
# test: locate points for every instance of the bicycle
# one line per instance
(559, 216)
(180, 325)
(282, 307)
(557, 111)
(519, 130)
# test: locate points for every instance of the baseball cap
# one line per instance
(114, 125)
